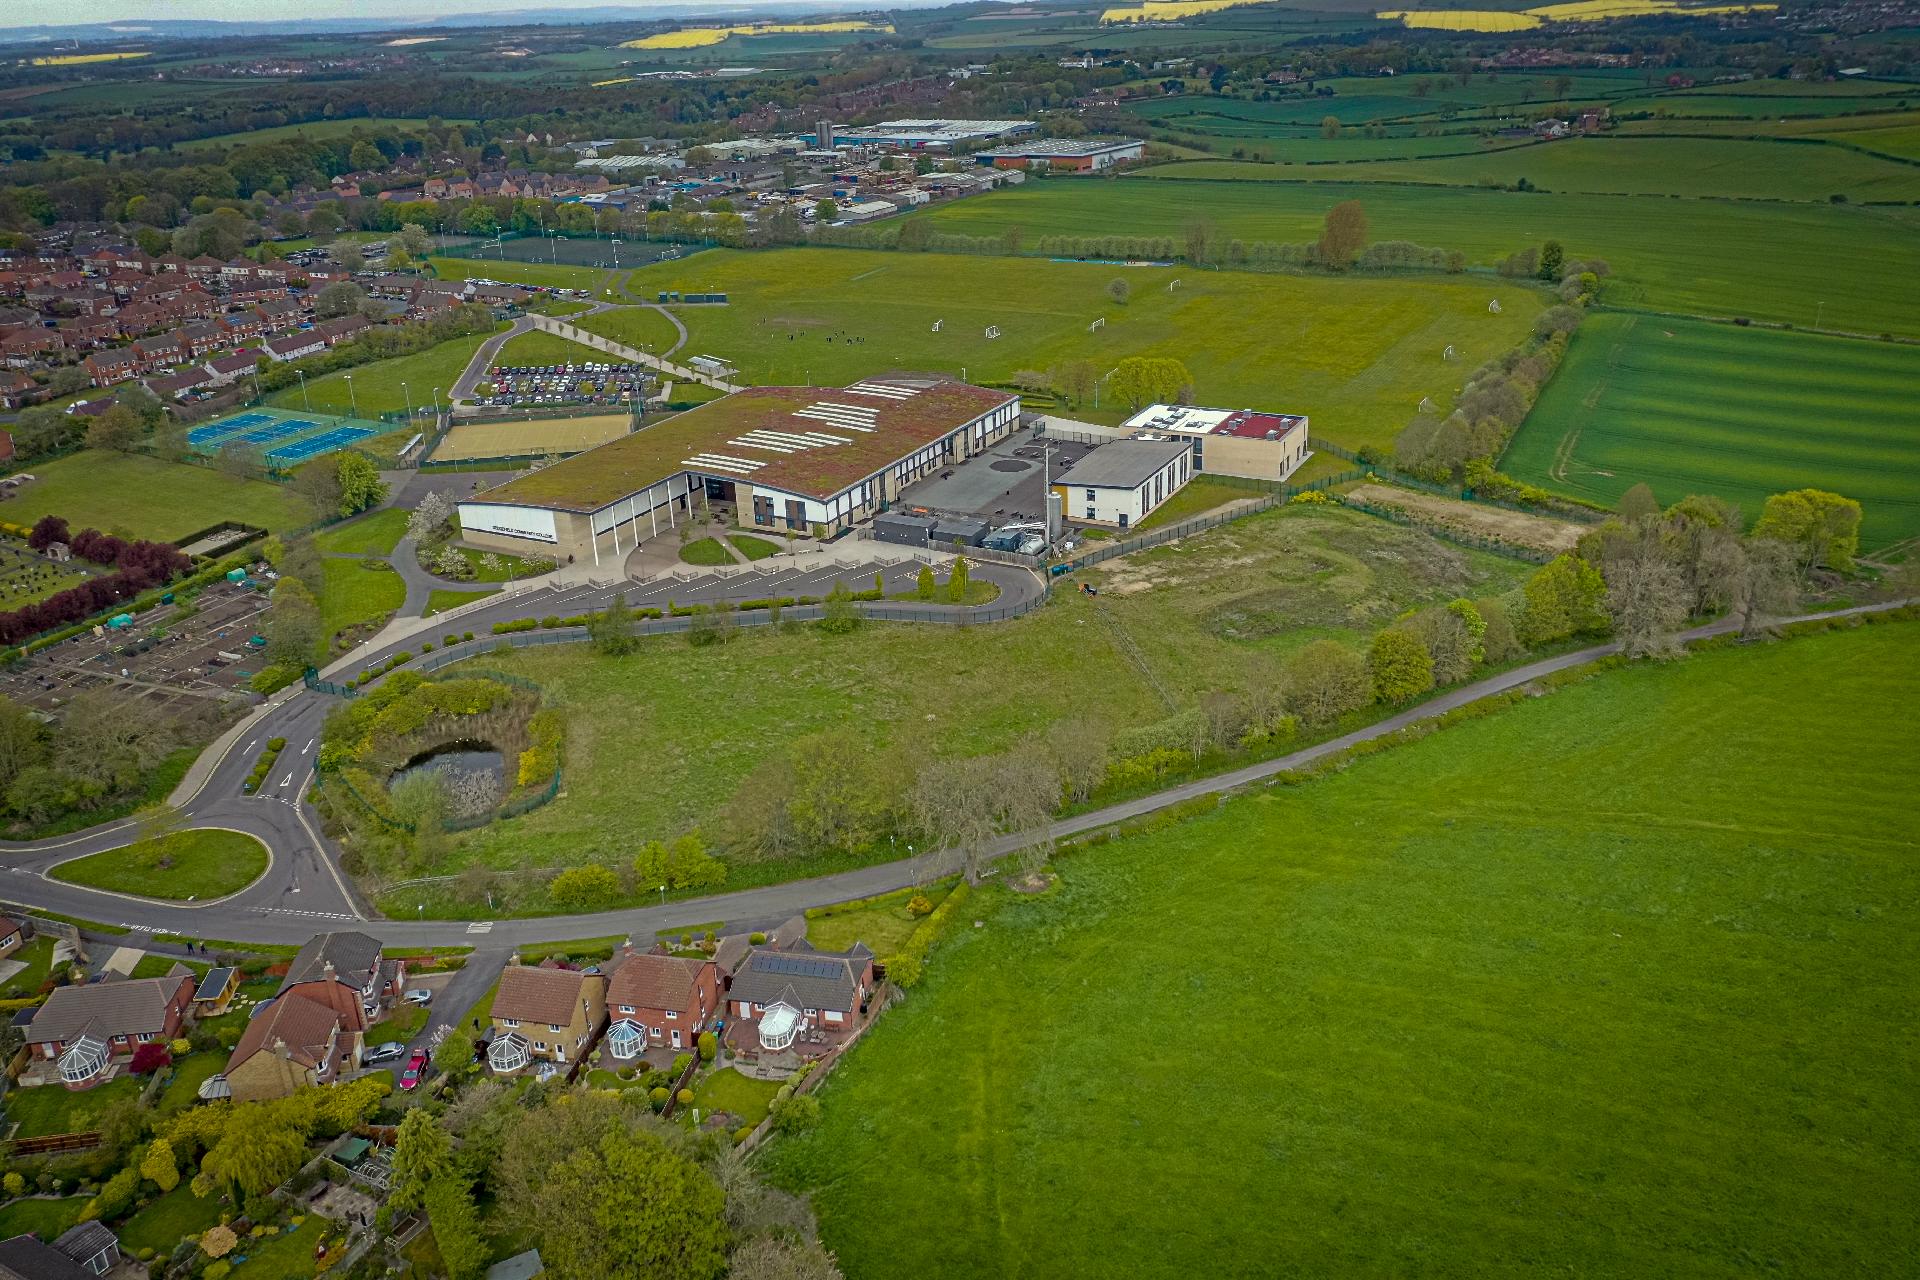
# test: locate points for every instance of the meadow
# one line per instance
(1612, 982)
(313, 129)
(641, 327)
(1771, 261)
(1691, 407)
(148, 498)
(1204, 614)
(1357, 354)
(1740, 168)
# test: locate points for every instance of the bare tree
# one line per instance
(1765, 585)
(1647, 597)
(1029, 789)
(1078, 747)
(954, 804)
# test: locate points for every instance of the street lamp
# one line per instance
(616, 253)
(351, 403)
(663, 895)
(302, 375)
(409, 399)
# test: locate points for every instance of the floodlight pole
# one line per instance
(300, 374)
(351, 402)
(409, 398)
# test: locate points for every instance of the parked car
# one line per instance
(416, 1067)
(419, 995)
(383, 1052)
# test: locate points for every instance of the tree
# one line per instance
(365, 156)
(914, 236)
(1343, 235)
(1399, 665)
(1823, 527)
(1327, 681)
(294, 629)
(1119, 290)
(455, 1052)
(1143, 380)
(361, 487)
(413, 238)
(319, 483)
(585, 888)
(1565, 597)
(839, 614)
(240, 460)
(347, 256)
(781, 1258)
(923, 586)
(421, 1154)
(21, 743)
(1329, 127)
(957, 581)
(170, 442)
(611, 630)
(1763, 586)
(1638, 503)
(429, 519)
(1552, 259)
(341, 298)
(48, 530)
(1201, 238)
(259, 1150)
(456, 1225)
(158, 821)
(159, 1167)
(826, 211)
(118, 430)
(1647, 596)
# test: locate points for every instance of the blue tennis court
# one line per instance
(214, 431)
(278, 431)
(314, 446)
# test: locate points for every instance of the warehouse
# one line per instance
(1083, 154)
(797, 458)
(1121, 483)
(1230, 442)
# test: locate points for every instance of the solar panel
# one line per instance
(798, 966)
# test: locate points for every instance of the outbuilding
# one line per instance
(1230, 442)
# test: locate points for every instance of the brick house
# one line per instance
(659, 1001)
(28, 347)
(83, 1029)
(333, 332)
(83, 333)
(298, 1041)
(345, 971)
(159, 352)
(797, 1001)
(547, 1013)
(294, 346)
(16, 390)
(108, 367)
(222, 370)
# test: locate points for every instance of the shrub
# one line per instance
(709, 1046)
(680, 1064)
(757, 938)
(796, 1115)
(684, 1097)
(585, 888)
(149, 1058)
(741, 1134)
(658, 1096)
(918, 905)
(15, 1184)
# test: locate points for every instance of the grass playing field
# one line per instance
(149, 498)
(1772, 261)
(1691, 407)
(385, 386)
(1746, 168)
(1614, 982)
(523, 439)
(546, 275)
(1201, 613)
(1356, 354)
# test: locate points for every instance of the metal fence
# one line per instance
(1434, 529)
(1202, 523)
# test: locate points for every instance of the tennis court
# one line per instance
(286, 437)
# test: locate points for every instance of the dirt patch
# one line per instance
(1517, 527)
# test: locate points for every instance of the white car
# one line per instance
(419, 995)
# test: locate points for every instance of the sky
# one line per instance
(27, 13)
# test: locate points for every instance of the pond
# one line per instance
(474, 775)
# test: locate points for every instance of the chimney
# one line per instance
(327, 971)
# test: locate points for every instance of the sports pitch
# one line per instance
(1692, 407)
(285, 439)
(471, 441)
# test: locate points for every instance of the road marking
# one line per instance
(284, 781)
(309, 746)
(480, 926)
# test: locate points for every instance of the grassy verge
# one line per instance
(196, 864)
(753, 548)
(354, 594)
(441, 599)
(375, 534)
(1198, 497)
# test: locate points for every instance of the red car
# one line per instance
(416, 1067)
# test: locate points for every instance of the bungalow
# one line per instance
(658, 1000)
(222, 370)
(108, 367)
(83, 1028)
(177, 386)
(798, 999)
(294, 346)
(541, 1012)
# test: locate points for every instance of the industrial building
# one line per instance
(1121, 483)
(916, 135)
(1084, 154)
(1230, 442)
(785, 457)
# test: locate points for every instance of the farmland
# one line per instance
(1691, 407)
(149, 498)
(1695, 256)
(1203, 612)
(1361, 352)
(1599, 984)
(313, 129)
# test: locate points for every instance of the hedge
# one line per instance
(907, 967)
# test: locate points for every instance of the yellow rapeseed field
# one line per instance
(1574, 11)
(1168, 10)
(75, 59)
(698, 37)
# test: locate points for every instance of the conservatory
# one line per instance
(627, 1040)
(83, 1062)
(779, 1024)
(509, 1052)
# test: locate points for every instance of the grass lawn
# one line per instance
(440, 599)
(705, 551)
(378, 387)
(189, 1073)
(1209, 613)
(403, 1025)
(508, 566)
(197, 863)
(540, 347)
(43, 1218)
(375, 534)
(37, 956)
(1198, 497)
(641, 327)
(159, 966)
(50, 1108)
(168, 1220)
(1611, 982)
(353, 594)
(544, 274)
(728, 1090)
(1358, 354)
(287, 1256)
(1690, 407)
(149, 498)
(978, 591)
(1678, 255)
(883, 923)
(753, 548)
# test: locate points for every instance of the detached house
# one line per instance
(314, 1031)
(797, 1001)
(552, 1014)
(659, 1001)
(82, 1029)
